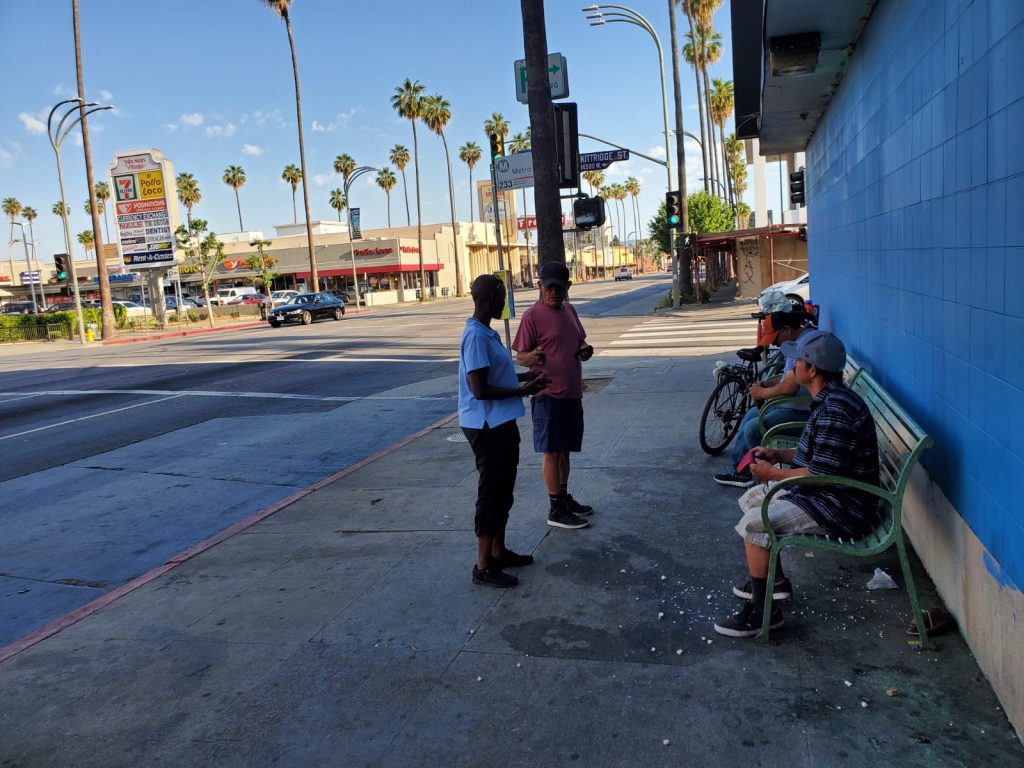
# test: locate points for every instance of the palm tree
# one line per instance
(12, 208)
(632, 186)
(712, 44)
(400, 158)
(437, 113)
(61, 210)
(281, 8)
(386, 180)
(102, 195)
(30, 216)
(88, 241)
(189, 194)
(723, 100)
(690, 53)
(88, 206)
(293, 175)
(234, 177)
(595, 179)
(497, 123)
(408, 102)
(344, 164)
(470, 154)
(338, 201)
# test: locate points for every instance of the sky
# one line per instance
(209, 84)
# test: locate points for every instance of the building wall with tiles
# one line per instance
(916, 249)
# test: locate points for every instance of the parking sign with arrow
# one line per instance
(558, 77)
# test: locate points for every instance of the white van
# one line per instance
(224, 295)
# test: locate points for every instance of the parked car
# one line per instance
(24, 308)
(249, 298)
(623, 273)
(227, 295)
(307, 307)
(132, 309)
(62, 306)
(171, 302)
(280, 297)
(797, 290)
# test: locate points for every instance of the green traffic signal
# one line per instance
(673, 220)
(62, 275)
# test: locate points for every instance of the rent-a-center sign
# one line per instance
(144, 200)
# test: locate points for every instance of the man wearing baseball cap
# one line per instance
(552, 342)
(780, 327)
(839, 439)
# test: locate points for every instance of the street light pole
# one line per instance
(28, 266)
(361, 170)
(57, 135)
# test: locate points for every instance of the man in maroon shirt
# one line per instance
(552, 342)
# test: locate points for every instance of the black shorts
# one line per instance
(497, 462)
(557, 424)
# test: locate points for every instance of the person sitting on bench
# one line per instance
(781, 327)
(838, 439)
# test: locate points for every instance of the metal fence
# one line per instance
(47, 332)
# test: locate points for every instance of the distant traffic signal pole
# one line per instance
(57, 135)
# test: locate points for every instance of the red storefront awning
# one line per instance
(378, 270)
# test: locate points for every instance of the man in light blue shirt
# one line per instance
(490, 401)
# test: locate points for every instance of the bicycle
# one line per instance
(730, 399)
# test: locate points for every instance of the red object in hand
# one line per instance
(746, 461)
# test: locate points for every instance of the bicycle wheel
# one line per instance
(722, 415)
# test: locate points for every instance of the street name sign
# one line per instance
(514, 171)
(598, 161)
(145, 201)
(558, 77)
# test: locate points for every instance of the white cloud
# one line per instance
(106, 95)
(60, 89)
(340, 121)
(252, 149)
(321, 179)
(32, 123)
(9, 151)
(227, 130)
(262, 117)
(657, 151)
(171, 127)
(192, 119)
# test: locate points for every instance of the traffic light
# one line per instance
(588, 212)
(796, 188)
(673, 210)
(497, 146)
(61, 266)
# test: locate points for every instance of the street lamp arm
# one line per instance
(629, 11)
(49, 120)
(77, 120)
(622, 18)
(360, 171)
(619, 146)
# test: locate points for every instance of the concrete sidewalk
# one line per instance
(343, 630)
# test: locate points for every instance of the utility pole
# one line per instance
(683, 280)
(546, 195)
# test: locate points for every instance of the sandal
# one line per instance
(937, 621)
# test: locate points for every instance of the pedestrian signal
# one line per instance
(61, 266)
(673, 210)
(497, 146)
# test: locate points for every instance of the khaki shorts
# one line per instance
(784, 515)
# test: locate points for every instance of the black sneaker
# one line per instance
(783, 590)
(510, 559)
(744, 480)
(493, 577)
(746, 623)
(576, 508)
(560, 517)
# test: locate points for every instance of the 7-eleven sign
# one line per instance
(125, 187)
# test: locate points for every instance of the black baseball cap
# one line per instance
(554, 273)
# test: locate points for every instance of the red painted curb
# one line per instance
(70, 619)
(177, 334)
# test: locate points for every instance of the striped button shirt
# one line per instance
(839, 439)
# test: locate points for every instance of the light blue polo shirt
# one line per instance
(482, 348)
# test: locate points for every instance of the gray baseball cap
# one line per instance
(821, 349)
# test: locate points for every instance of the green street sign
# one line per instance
(558, 77)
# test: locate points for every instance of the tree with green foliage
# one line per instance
(261, 263)
(657, 229)
(407, 101)
(204, 250)
(234, 177)
(709, 213)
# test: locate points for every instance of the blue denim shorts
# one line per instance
(557, 424)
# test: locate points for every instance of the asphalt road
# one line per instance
(117, 458)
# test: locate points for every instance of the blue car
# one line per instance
(307, 307)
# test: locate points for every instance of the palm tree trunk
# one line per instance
(419, 211)
(314, 278)
(459, 291)
(405, 186)
(238, 204)
(472, 215)
(106, 223)
(295, 211)
(700, 97)
(388, 195)
(711, 128)
(725, 166)
(109, 324)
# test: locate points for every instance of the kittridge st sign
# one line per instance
(598, 161)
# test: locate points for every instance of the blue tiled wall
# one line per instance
(916, 240)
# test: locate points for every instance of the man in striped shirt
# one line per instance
(839, 439)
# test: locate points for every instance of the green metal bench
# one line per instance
(900, 444)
